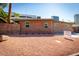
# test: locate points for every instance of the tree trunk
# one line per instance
(9, 12)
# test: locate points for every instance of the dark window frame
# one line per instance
(46, 25)
(27, 24)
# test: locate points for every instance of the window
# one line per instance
(46, 25)
(27, 24)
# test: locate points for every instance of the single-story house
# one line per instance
(43, 26)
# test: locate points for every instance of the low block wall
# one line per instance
(61, 27)
(9, 28)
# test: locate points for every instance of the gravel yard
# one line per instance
(36, 45)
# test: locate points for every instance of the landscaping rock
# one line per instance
(3, 38)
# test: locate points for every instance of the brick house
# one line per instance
(36, 25)
(43, 26)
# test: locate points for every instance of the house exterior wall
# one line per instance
(36, 26)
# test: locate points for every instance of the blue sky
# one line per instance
(65, 11)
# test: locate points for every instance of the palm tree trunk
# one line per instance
(9, 13)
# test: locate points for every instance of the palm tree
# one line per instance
(16, 14)
(3, 5)
(9, 12)
(3, 14)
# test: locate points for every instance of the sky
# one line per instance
(65, 11)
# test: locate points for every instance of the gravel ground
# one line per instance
(36, 45)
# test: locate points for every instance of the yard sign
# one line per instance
(67, 34)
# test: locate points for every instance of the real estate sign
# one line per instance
(67, 34)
